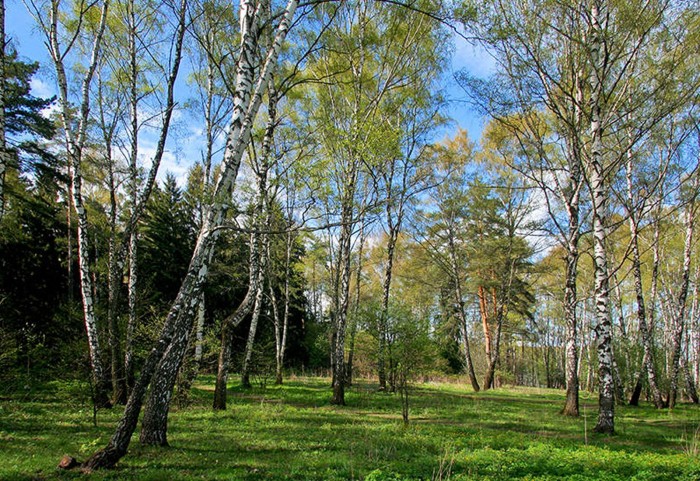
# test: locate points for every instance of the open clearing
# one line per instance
(292, 432)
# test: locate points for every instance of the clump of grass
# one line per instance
(691, 442)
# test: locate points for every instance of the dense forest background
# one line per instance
(321, 219)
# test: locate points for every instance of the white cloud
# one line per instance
(473, 58)
(41, 89)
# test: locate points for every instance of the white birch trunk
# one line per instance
(603, 328)
(199, 333)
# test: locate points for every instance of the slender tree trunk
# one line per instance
(571, 407)
(262, 209)
(231, 322)
(133, 316)
(386, 293)
(459, 303)
(648, 366)
(694, 341)
(257, 307)
(494, 359)
(678, 324)
(133, 181)
(341, 310)
(488, 342)
(356, 311)
(277, 321)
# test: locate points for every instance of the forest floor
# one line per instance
(292, 432)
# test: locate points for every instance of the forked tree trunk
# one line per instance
(257, 307)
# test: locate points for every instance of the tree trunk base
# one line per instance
(105, 458)
(154, 438)
(636, 394)
(571, 407)
(338, 394)
(605, 428)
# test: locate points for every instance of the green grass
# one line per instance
(291, 432)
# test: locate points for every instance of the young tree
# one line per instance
(443, 224)
(75, 127)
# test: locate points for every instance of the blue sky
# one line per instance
(21, 29)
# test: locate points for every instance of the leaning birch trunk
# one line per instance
(127, 246)
(603, 328)
(75, 138)
(255, 277)
(262, 209)
(257, 308)
(179, 320)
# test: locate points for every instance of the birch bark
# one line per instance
(596, 174)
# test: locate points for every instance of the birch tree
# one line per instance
(75, 125)
(577, 63)
(166, 356)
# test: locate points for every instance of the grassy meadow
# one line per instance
(291, 432)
